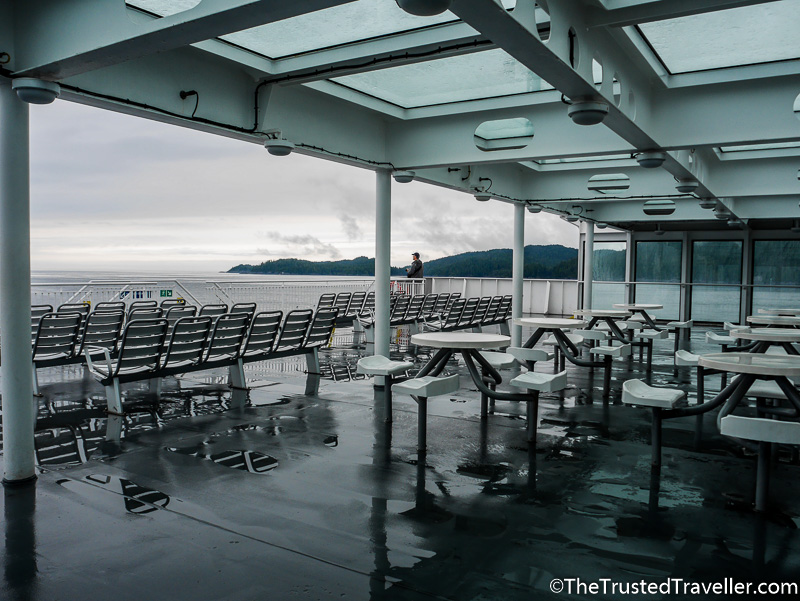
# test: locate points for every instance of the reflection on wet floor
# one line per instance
(349, 510)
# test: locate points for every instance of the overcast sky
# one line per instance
(112, 192)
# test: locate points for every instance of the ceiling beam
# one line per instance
(62, 38)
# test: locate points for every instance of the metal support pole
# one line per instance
(383, 243)
(588, 265)
(517, 271)
(19, 411)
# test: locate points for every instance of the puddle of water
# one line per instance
(247, 461)
(137, 499)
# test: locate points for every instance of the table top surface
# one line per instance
(553, 323)
(753, 363)
(774, 320)
(638, 306)
(787, 312)
(767, 334)
(602, 313)
(459, 340)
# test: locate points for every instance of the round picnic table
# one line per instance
(763, 338)
(609, 317)
(786, 312)
(642, 309)
(774, 320)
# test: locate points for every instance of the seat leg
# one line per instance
(387, 395)
(533, 417)
(562, 362)
(35, 381)
(484, 405)
(762, 475)
(312, 361)
(154, 386)
(236, 375)
(655, 438)
(606, 377)
(114, 397)
(504, 329)
(649, 355)
(422, 425)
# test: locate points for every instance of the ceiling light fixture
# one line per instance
(708, 203)
(650, 159)
(35, 91)
(482, 195)
(601, 226)
(277, 145)
(686, 186)
(587, 111)
(534, 208)
(424, 8)
(721, 213)
(403, 177)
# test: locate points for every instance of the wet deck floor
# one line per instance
(283, 495)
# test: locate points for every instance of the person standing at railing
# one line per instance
(415, 271)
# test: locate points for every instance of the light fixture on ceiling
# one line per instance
(424, 8)
(534, 208)
(403, 177)
(35, 91)
(734, 221)
(571, 218)
(795, 229)
(599, 225)
(686, 186)
(587, 111)
(277, 145)
(721, 213)
(650, 159)
(708, 203)
(659, 231)
(482, 195)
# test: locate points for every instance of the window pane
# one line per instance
(716, 262)
(609, 263)
(776, 263)
(605, 296)
(668, 295)
(658, 262)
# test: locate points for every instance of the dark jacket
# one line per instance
(415, 271)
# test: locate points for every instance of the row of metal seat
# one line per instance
(147, 352)
(474, 313)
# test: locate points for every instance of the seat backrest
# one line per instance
(57, 335)
(81, 308)
(103, 329)
(213, 310)
(227, 336)
(429, 304)
(187, 341)
(454, 314)
(145, 313)
(262, 334)
(172, 302)
(356, 303)
(141, 346)
(480, 312)
(326, 300)
(142, 304)
(247, 308)
(37, 311)
(470, 308)
(294, 329)
(491, 310)
(441, 303)
(342, 302)
(504, 312)
(369, 303)
(109, 306)
(400, 306)
(176, 312)
(321, 330)
(414, 310)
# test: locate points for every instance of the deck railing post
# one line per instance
(588, 265)
(517, 271)
(15, 289)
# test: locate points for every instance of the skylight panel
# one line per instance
(748, 35)
(348, 23)
(752, 147)
(488, 74)
(589, 159)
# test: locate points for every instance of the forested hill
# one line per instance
(552, 261)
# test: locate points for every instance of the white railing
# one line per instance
(540, 297)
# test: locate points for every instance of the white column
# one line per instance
(383, 244)
(588, 265)
(15, 289)
(517, 271)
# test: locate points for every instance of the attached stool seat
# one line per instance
(604, 327)
(681, 329)
(378, 365)
(498, 360)
(728, 326)
(536, 383)
(636, 392)
(560, 361)
(721, 339)
(594, 337)
(684, 358)
(609, 353)
(528, 357)
(420, 390)
(766, 432)
(646, 337)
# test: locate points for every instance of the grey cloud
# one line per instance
(350, 227)
(307, 244)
